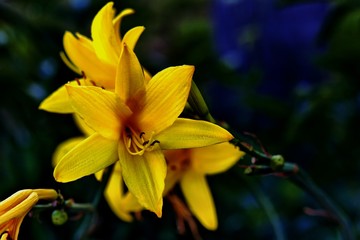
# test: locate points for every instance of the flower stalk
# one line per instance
(267, 164)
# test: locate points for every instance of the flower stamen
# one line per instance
(136, 144)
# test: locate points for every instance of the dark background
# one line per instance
(286, 71)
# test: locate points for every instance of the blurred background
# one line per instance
(287, 71)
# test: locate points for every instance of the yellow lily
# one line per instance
(14, 209)
(95, 59)
(190, 166)
(132, 125)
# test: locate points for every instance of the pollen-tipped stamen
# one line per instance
(136, 144)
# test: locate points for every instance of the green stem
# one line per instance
(297, 176)
(84, 227)
(303, 180)
(268, 207)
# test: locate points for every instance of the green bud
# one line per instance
(277, 162)
(59, 217)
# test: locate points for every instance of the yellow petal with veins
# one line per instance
(104, 36)
(198, 196)
(101, 110)
(88, 157)
(129, 76)
(165, 99)
(57, 102)
(216, 158)
(81, 52)
(85, 129)
(188, 133)
(144, 176)
(63, 148)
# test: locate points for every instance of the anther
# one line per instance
(153, 143)
(145, 143)
(78, 81)
(83, 74)
(142, 134)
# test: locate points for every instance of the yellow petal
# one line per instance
(57, 102)
(103, 35)
(117, 23)
(144, 176)
(132, 36)
(13, 200)
(82, 125)
(19, 208)
(99, 174)
(88, 157)
(166, 96)
(129, 75)
(101, 110)
(215, 159)
(131, 203)
(46, 194)
(5, 235)
(63, 148)
(81, 52)
(114, 194)
(188, 133)
(69, 63)
(198, 196)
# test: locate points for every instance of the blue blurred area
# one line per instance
(279, 40)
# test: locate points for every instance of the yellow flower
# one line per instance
(132, 125)
(189, 167)
(14, 209)
(97, 58)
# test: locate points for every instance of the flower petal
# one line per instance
(81, 52)
(117, 23)
(88, 157)
(103, 35)
(101, 110)
(63, 148)
(46, 194)
(82, 125)
(57, 102)
(188, 133)
(19, 207)
(198, 196)
(13, 200)
(114, 194)
(215, 158)
(129, 76)
(144, 176)
(165, 99)
(132, 36)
